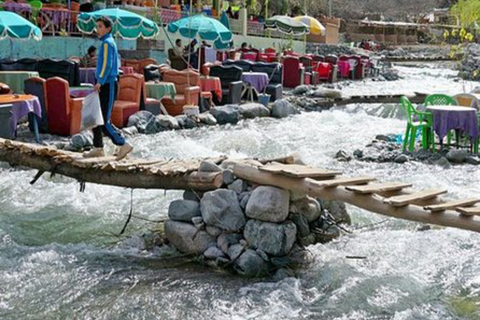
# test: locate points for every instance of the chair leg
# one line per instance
(413, 133)
(424, 138)
(405, 139)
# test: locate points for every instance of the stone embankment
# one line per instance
(251, 229)
(469, 68)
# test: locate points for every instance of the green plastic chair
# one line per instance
(442, 100)
(35, 6)
(416, 120)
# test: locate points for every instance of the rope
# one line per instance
(129, 214)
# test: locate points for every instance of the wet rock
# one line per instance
(220, 208)
(400, 158)
(301, 223)
(81, 140)
(282, 274)
(193, 196)
(238, 186)
(263, 255)
(144, 121)
(228, 176)
(226, 114)
(183, 210)
(243, 198)
(268, 204)
(297, 257)
(207, 118)
(457, 156)
(422, 154)
(308, 240)
(250, 264)
(130, 131)
(189, 123)
(382, 137)
(213, 253)
(337, 209)
(308, 207)
(275, 239)
(472, 160)
(442, 162)
(214, 231)
(326, 93)
(235, 251)
(282, 108)
(165, 122)
(343, 156)
(358, 154)
(198, 223)
(209, 166)
(329, 233)
(186, 238)
(253, 110)
(225, 240)
(301, 89)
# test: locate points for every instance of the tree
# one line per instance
(467, 12)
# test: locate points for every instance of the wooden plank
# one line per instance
(378, 188)
(452, 205)
(298, 171)
(406, 199)
(343, 182)
(469, 211)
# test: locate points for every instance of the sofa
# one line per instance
(130, 87)
(230, 77)
(177, 62)
(275, 74)
(186, 94)
(293, 72)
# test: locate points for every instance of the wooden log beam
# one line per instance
(202, 181)
(447, 218)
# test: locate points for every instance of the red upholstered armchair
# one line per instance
(293, 73)
(64, 113)
(129, 97)
(186, 84)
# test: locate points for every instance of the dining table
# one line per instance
(159, 89)
(15, 79)
(87, 75)
(22, 105)
(212, 84)
(80, 92)
(254, 82)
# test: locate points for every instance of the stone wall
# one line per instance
(253, 230)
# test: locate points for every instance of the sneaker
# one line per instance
(94, 153)
(124, 151)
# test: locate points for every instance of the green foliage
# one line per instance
(467, 12)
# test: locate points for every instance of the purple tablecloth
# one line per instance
(16, 7)
(80, 92)
(257, 79)
(87, 75)
(446, 118)
(21, 109)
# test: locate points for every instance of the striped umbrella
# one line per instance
(286, 25)
(316, 28)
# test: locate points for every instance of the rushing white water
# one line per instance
(61, 258)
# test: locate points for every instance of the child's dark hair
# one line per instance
(92, 49)
(106, 22)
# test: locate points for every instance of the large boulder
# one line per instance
(253, 110)
(308, 207)
(207, 118)
(300, 89)
(81, 140)
(220, 208)
(337, 209)
(275, 239)
(250, 264)
(226, 114)
(209, 166)
(282, 108)
(144, 121)
(183, 210)
(457, 156)
(164, 122)
(327, 93)
(186, 238)
(268, 204)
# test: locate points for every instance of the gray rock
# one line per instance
(234, 251)
(472, 160)
(308, 240)
(220, 208)
(81, 140)
(401, 158)
(301, 89)
(382, 137)
(144, 121)
(166, 122)
(207, 118)
(358, 154)
(282, 108)
(186, 238)
(226, 114)
(253, 110)
(193, 196)
(189, 123)
(213, 253)
(275, 239)
(301, 223)
(308, 207)
(225, 240)
(198, 221)
(183, 210)
(326, 93)
(244, 197)
(130, 131)
(238, 186)
(181, 120)
(422, 154)
(250, 264)
(337, 209)
(268, 204)
(442, 162)
(457, 156)
(214, 231)
(262, 254)
(282, 274)
(228, 176)
(209, 166)
(343, 156)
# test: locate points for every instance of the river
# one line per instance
(61, 256)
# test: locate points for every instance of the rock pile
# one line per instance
(255, 230)
(470, 63)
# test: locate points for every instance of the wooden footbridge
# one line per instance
(395, 199)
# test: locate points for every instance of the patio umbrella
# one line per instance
(287, 25)
(127, 24)
(224, 20)
(316, 28)
(14, 26)
(205, 28)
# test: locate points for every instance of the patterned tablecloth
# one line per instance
(258, 80)
(158, 90)
(22, 105)
(212, 84)
(15, 79)
(446, 118)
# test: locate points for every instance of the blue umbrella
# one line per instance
(224, 20)
(15, 26)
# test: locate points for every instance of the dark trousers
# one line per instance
(108, 94)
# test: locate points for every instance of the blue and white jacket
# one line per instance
(107, 61)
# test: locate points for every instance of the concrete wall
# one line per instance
(53, 47)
